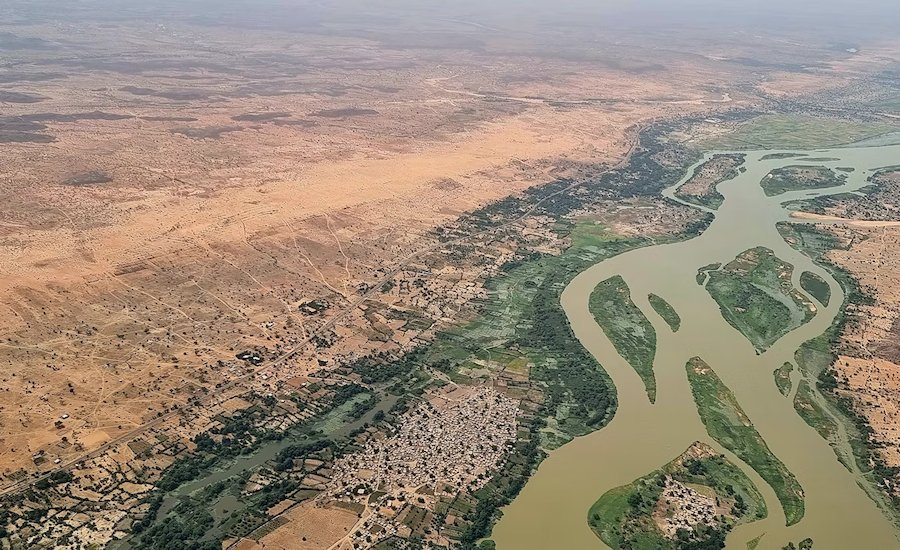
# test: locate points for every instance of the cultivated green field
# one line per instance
(797, 132)
(624, 324)
(727, 423)
(755, 295)
(622, 517)
(666, 311)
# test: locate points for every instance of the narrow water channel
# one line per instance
(333, 424)
(551, 511)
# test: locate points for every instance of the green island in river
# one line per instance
(667, 312)
(756, 296)
(752, 305)
(627, 328)
(660, 510)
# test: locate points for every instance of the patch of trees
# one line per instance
(379, 368)
(56, 478)
(272, 494)
(576, 379)
(805, 544)
(362, 407)
(697, 227)
(702, 537)
(156, 501)
(179, 532)
(345, 393)
(185, 469)
(5, 519)
(286, 456)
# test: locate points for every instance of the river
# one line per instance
(551, 511)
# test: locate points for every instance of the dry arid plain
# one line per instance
(868, 364)
(204, 202)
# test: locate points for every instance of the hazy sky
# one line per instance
(842, 19)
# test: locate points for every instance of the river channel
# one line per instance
(551, 511)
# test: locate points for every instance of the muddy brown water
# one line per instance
(551, 511)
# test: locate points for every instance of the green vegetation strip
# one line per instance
(727, 423)
(779, 156)
(809, 409)
(816, 286)
(625, 517)
(783, 378)
(666, 311)
(624, 324)
(755, 295)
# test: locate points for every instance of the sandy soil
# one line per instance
(310, 527)
(844, 221)
(870, 362)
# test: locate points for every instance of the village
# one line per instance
(446, 445)
(681, 507)
(105, 492)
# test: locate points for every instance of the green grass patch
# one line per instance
(625, 325)
(755, 295)
(796, 132)
(816, 287)
(783, 378)
(666, 311)
(799, 178)
(727, 423)
(624, 516)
